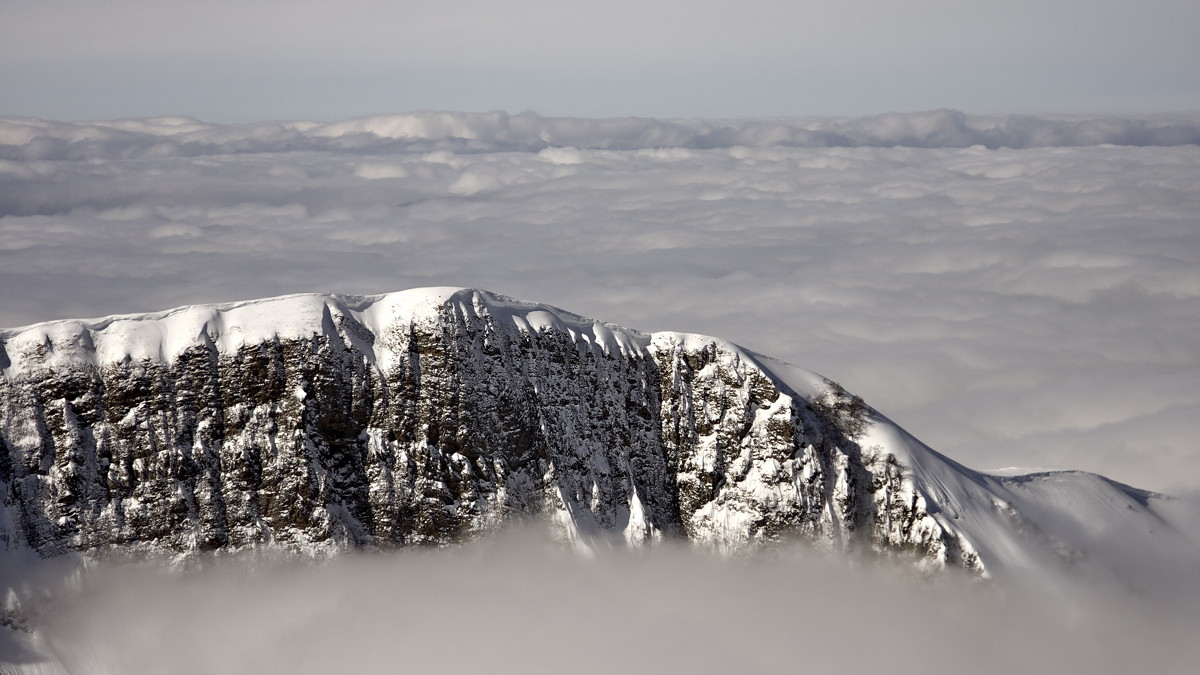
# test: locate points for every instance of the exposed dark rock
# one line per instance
(430, 428)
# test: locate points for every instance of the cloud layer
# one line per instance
(512, 606)
(1015, 291)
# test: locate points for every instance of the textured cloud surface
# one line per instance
(1015, 291)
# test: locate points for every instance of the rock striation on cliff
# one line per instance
(319, 423)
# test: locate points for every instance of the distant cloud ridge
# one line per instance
(24, 139)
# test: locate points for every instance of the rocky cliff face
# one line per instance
(322, 423)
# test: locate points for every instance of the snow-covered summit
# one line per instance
(317, 422)
(162, 336)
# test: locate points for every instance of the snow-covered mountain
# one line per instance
(320, 423)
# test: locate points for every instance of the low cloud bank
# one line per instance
(33, 139)
(513, 604)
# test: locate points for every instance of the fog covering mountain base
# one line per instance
(317, 424)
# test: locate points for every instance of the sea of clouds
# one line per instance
(1017, 291)
(1014, 290)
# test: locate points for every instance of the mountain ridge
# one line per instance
(319, 422)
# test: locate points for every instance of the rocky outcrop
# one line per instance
(321, 423)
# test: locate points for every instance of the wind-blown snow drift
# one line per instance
(317, 423)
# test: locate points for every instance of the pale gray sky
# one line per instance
(242, 61)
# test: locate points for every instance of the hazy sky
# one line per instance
(315, 59)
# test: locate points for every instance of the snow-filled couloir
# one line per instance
(317, 423)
